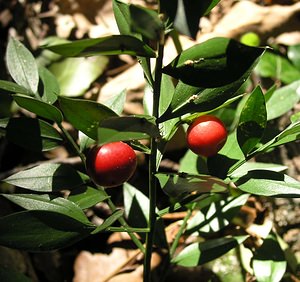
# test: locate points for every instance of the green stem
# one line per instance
(72, 142)
(181, 230)
(177, 43)
(126, 226)
(153, 165)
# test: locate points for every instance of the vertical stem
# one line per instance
(153, 165)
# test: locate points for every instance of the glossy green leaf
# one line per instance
(290, 134)
(109, 221)
(75, 75)
(269, 264)
(41, 231)
(268, 183)
(146, 22)
(229, 155)
(192, 163)
(50, 86)
(127, 128)
(123, 19)
(122, 16)
(249, 166)
(294, 55)
(85, 115)
(214, 63)
(253, 120)
(218, 215)
(86, 197)
(283, 100)
(200, 253)
(110, 45)
(178, 184)
(117, 102)
(186, 14)
(21, 65)
(277, 67)
(191, 99)
(33, 134)
(48, 178)
(45, 203)
(39, 107)
(14, 88)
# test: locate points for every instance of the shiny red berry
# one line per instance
(111, 164)
(206, 135)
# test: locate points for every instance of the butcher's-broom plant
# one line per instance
(206, 79)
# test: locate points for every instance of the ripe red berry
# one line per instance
(111, 164)
(206, 135)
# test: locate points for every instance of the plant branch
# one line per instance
(153, 164)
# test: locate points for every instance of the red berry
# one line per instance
(111, 164)
(206, 135)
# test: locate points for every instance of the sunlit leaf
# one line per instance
(21, 65)
(252, 121)
(214, 63)
(127, 128)
(177, 184)
(39, 107)
(200, 253)
(110, 45)
(269, 264)
(85, 115)
(48, 177)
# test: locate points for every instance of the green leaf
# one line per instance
(75, 75)
(253, 120)
(8, 274)
(48, 178)
(192, 164)
(127, 128)
(214, 63)
(41, 231)
(291, 133)
(200, 253)
(122, 16)
(21, 65)
(50, 86)
(269, 264)
(109, 45)
(86, 197)
(38, 107)
(33, 134)
(191, 99)
(283, 100)
(277, 67)
(268, 183)
(117, 102)
(13, 87)
(178, 184)
(249, 166)
(109, 221)
(294, 55)
(85, 115)
(145, 22)
(45, 203)
(186, 14)
(218, 215)
(136, 206)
